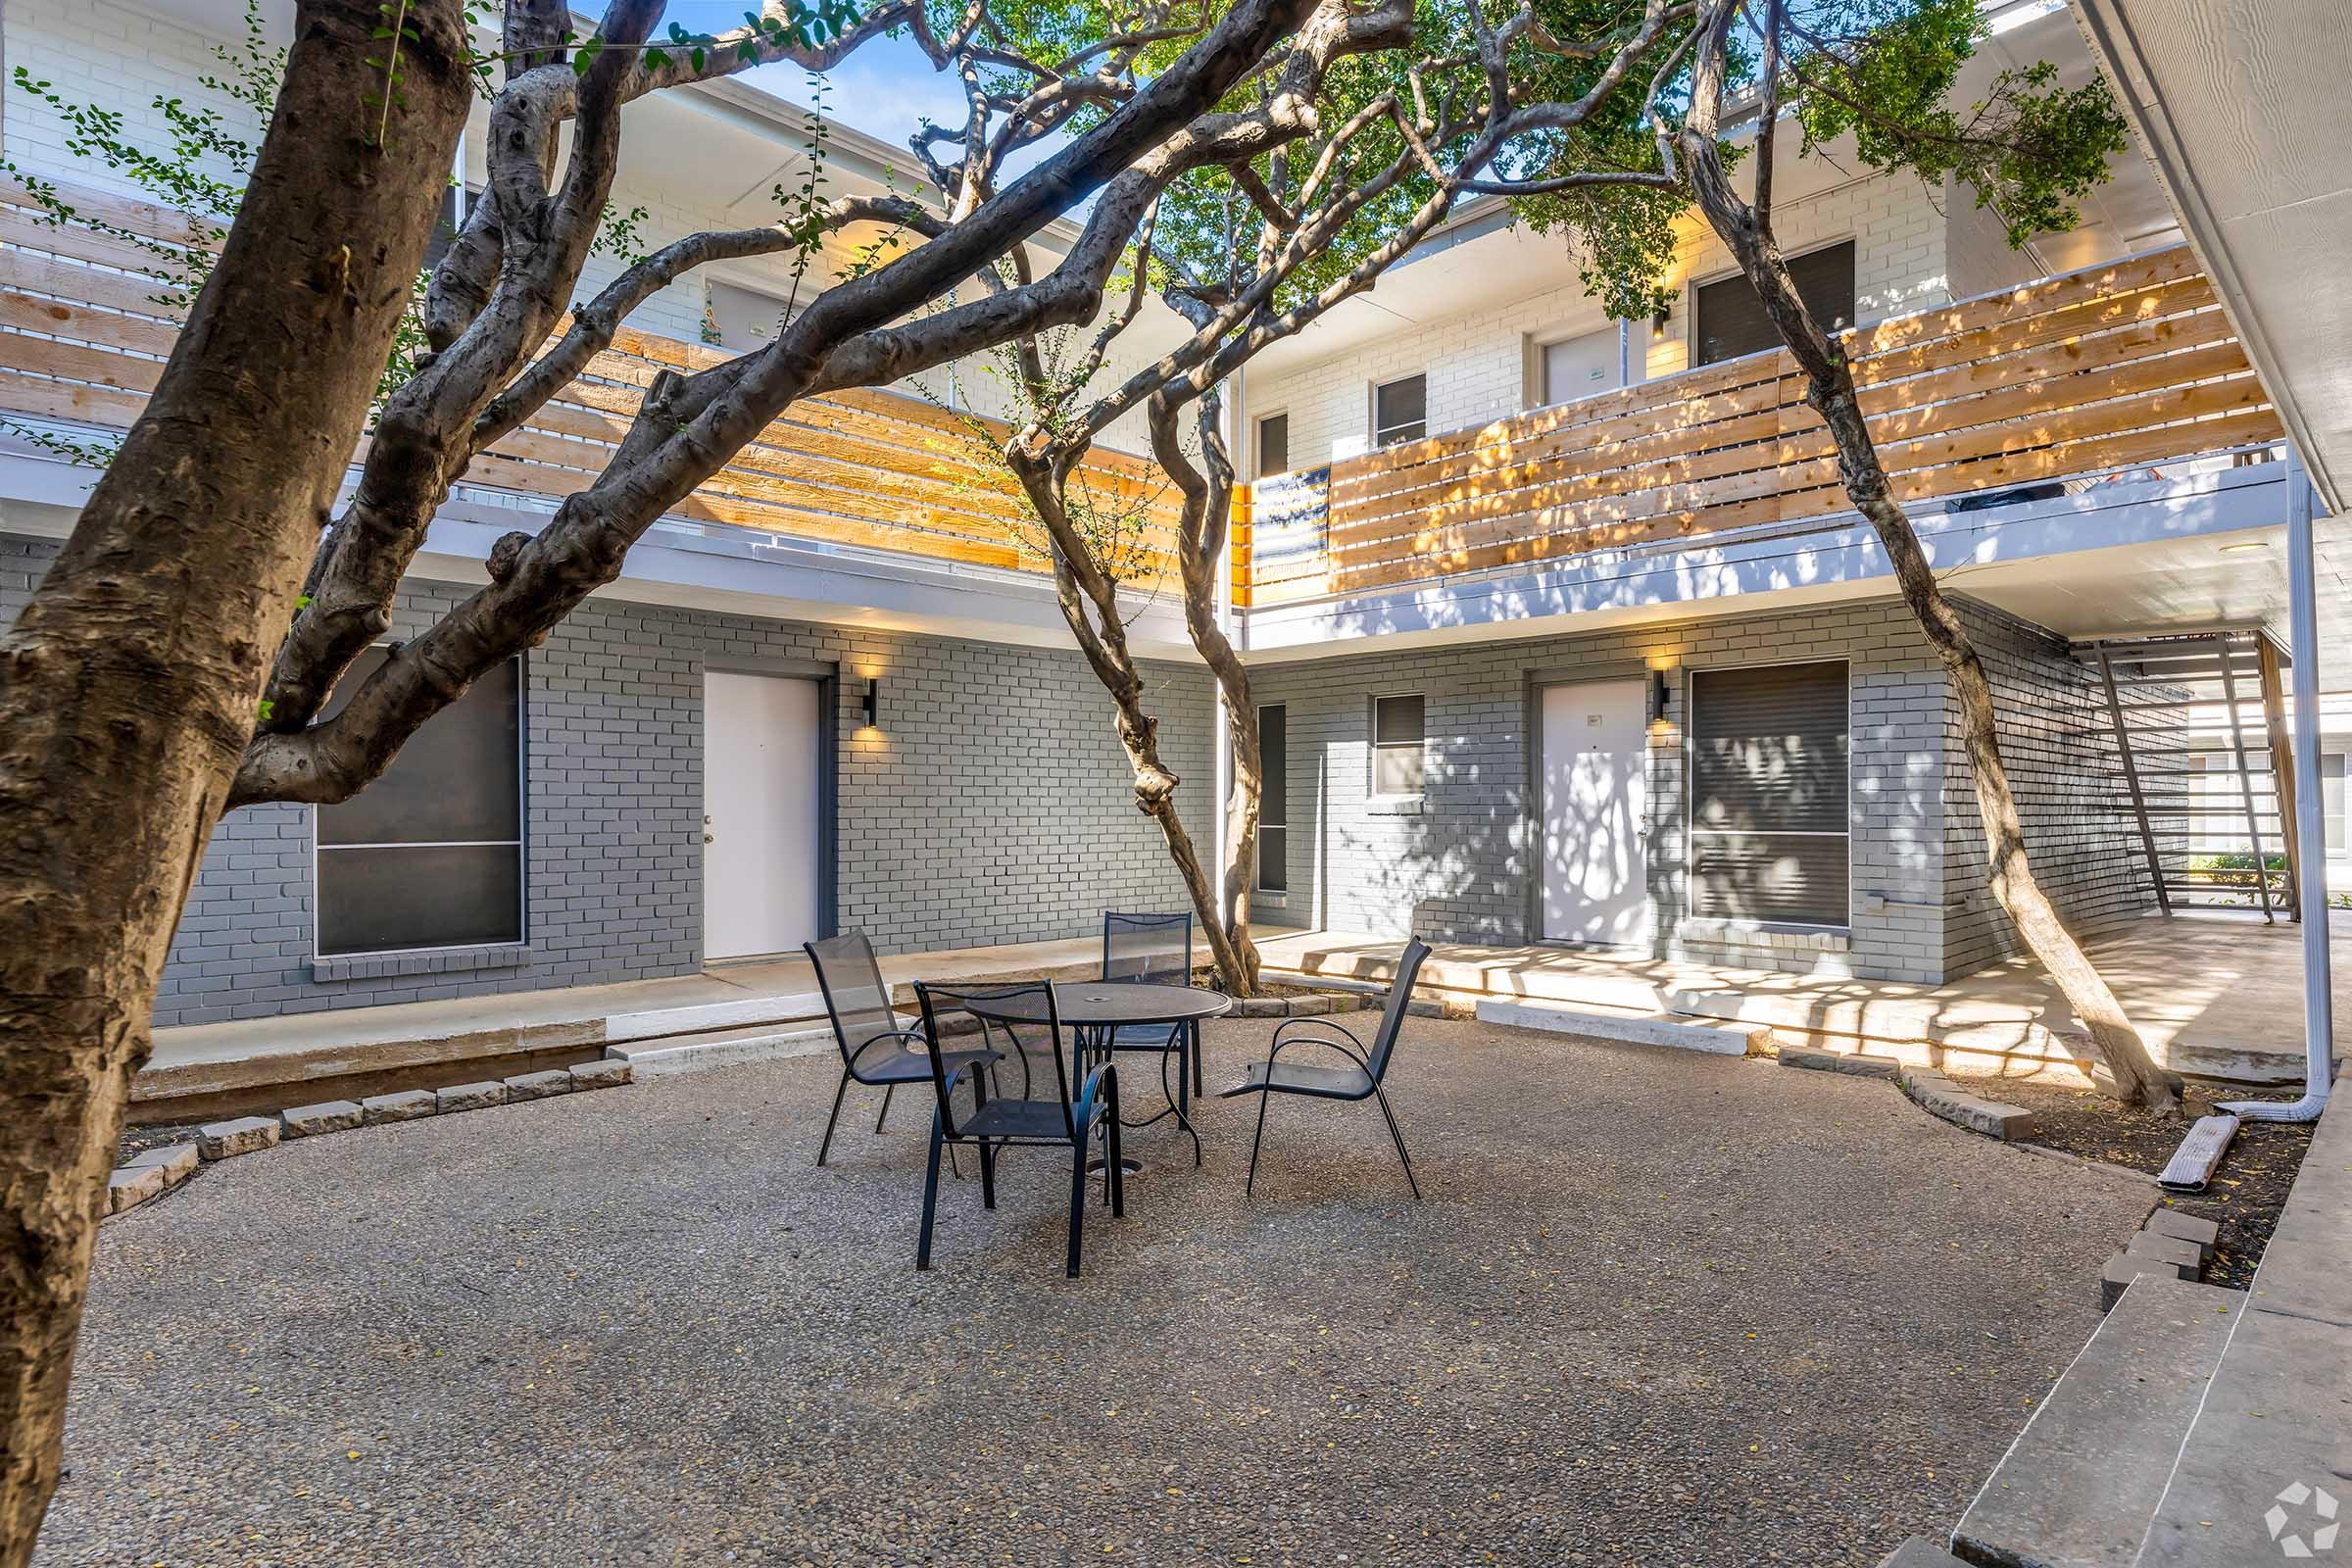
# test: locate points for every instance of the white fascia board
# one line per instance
(695, 566)
(745, 571)
(1787, 567)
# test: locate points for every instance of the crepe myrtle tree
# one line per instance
(1883, 71)
(1249, 253)
(178, 659)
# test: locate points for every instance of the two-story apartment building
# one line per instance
(1559, 628)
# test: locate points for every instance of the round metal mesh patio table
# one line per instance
(1099, 1008)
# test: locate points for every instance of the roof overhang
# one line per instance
(2240, 105)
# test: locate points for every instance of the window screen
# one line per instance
(1400, 411)
(1273, 813)
(1274, 444)
(1732, 319)
(1396, 745)
(430, 855)
(1768, 793)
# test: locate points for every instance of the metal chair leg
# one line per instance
(1077, 1203)
(838, 1095)
(888, 1089)
(988, 1176)
(1116, 1170)
(922, 1246)
(1264, 1096)
(1397, 1133)
(1200, 1083)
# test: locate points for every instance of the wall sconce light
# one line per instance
(1657, 323)
(1658, 690)
(872, 703)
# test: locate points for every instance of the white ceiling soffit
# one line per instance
(2240, 106)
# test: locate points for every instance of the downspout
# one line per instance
(2311, 892)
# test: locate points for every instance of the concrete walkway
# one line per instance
(1656, 1307)
(206, 1061)
(2216, 996)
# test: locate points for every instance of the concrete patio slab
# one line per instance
(1758, 1317)
(2216, 995)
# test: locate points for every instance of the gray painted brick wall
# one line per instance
(2065, 767)
(994, 805)
(1462, 869)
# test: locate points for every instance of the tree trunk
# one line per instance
(1830, 390)
(129, 686)
(1201, 532)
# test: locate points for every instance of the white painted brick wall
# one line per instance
(1476, 363)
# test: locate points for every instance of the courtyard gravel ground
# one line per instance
(1659, 1308)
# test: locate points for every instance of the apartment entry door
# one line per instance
(1596, 814)
(763, 814)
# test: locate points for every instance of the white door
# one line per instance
(1596, 814)
(761, 815)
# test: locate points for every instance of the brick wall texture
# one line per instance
(994, 807)
(1460, 868)
(1478, 363)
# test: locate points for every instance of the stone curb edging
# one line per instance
(2168, 1243)
(1927, 1088)
(154, 1172)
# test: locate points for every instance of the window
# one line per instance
(455, 203)
(1580, 366)
(1397, 750)
(1400, 411)
(746, 319)
(1274, 444)
(1732, 319)
(1273, 810)
(430, 855)
(1768, 793)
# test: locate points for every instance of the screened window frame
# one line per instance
(1382, 441)
(521, 844)
(1691, 830)
(1257, 445)
(1273, 805)
(1374, 746)
(1693, 335)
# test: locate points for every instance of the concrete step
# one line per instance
(769, 1011)
(1919, 1553)
(1635, 1028)
(2079, 1485)
(721, 1047)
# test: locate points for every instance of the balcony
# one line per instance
(2059, 382)
(83, 336)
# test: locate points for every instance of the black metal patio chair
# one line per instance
(877, 1050)
(1075, 1115)
(1156, 950)
(1360, 1079)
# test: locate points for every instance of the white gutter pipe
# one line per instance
(2311, 886)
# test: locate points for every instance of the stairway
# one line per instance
(2201, 730)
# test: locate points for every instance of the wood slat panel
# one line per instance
(2104, 368)
(82, 338)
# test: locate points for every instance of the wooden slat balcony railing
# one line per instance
(84, 337)
(2099, 370)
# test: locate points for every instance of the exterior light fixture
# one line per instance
(1657, 695)
(2245, 544)
(874, 702)
(1657, 323)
